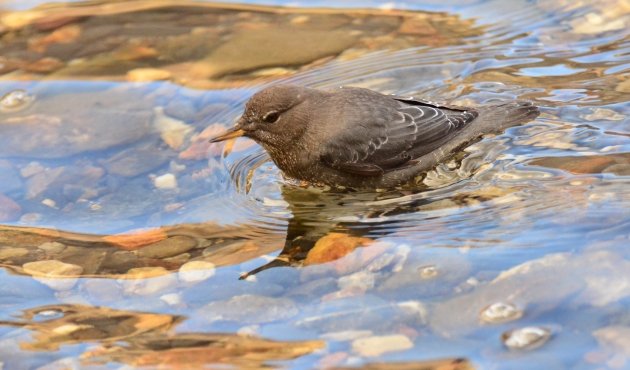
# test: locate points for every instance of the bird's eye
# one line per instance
(271, 117)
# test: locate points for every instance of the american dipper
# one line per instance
(359, 138)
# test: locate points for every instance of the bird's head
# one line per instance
(273, 116)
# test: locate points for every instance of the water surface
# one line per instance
(128, 240)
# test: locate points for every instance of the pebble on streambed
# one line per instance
(526, 338)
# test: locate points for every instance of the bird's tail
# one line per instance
(499, 117)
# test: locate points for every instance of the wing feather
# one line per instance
(386, 138)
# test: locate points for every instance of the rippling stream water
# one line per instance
(127, 240)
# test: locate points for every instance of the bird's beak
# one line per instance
(231, 133)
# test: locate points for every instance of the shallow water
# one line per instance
(129, 241)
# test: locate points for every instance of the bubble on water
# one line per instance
(428, 272)
(526, 338)
(500, 312)
(15, 100)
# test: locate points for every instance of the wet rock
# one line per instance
(270, 48)
(10, 177)
(586, 164)
(418, 25)
(90, 259)
(137, 160)
(379, 345)
(120, 262)
(334, 246)
(9, 209)
(56, 126)
(170, 247)
(196, 271)
(192, 46)
(56, 274)
(63, 35)
(147, 75)
(44, 65)
(250, 309)
(11, 253)
(179, 259)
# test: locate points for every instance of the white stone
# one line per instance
(165, 182)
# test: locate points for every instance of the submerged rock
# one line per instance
(60, 125)
(247, 51)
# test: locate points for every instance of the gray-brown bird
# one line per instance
(359, 138)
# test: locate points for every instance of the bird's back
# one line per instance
(367, 139)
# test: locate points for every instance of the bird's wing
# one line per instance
(386, 138)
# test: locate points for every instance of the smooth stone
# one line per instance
(379, 345)
(170, 247)
(52, 247)
(165, 182)
(90, 259)
(271, 48)
(9, 253)
(250, 309)
(55, 274)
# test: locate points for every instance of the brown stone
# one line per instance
(248, 51)
(334, 246)
(137, 239)
(44, 65)
(170, 247)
